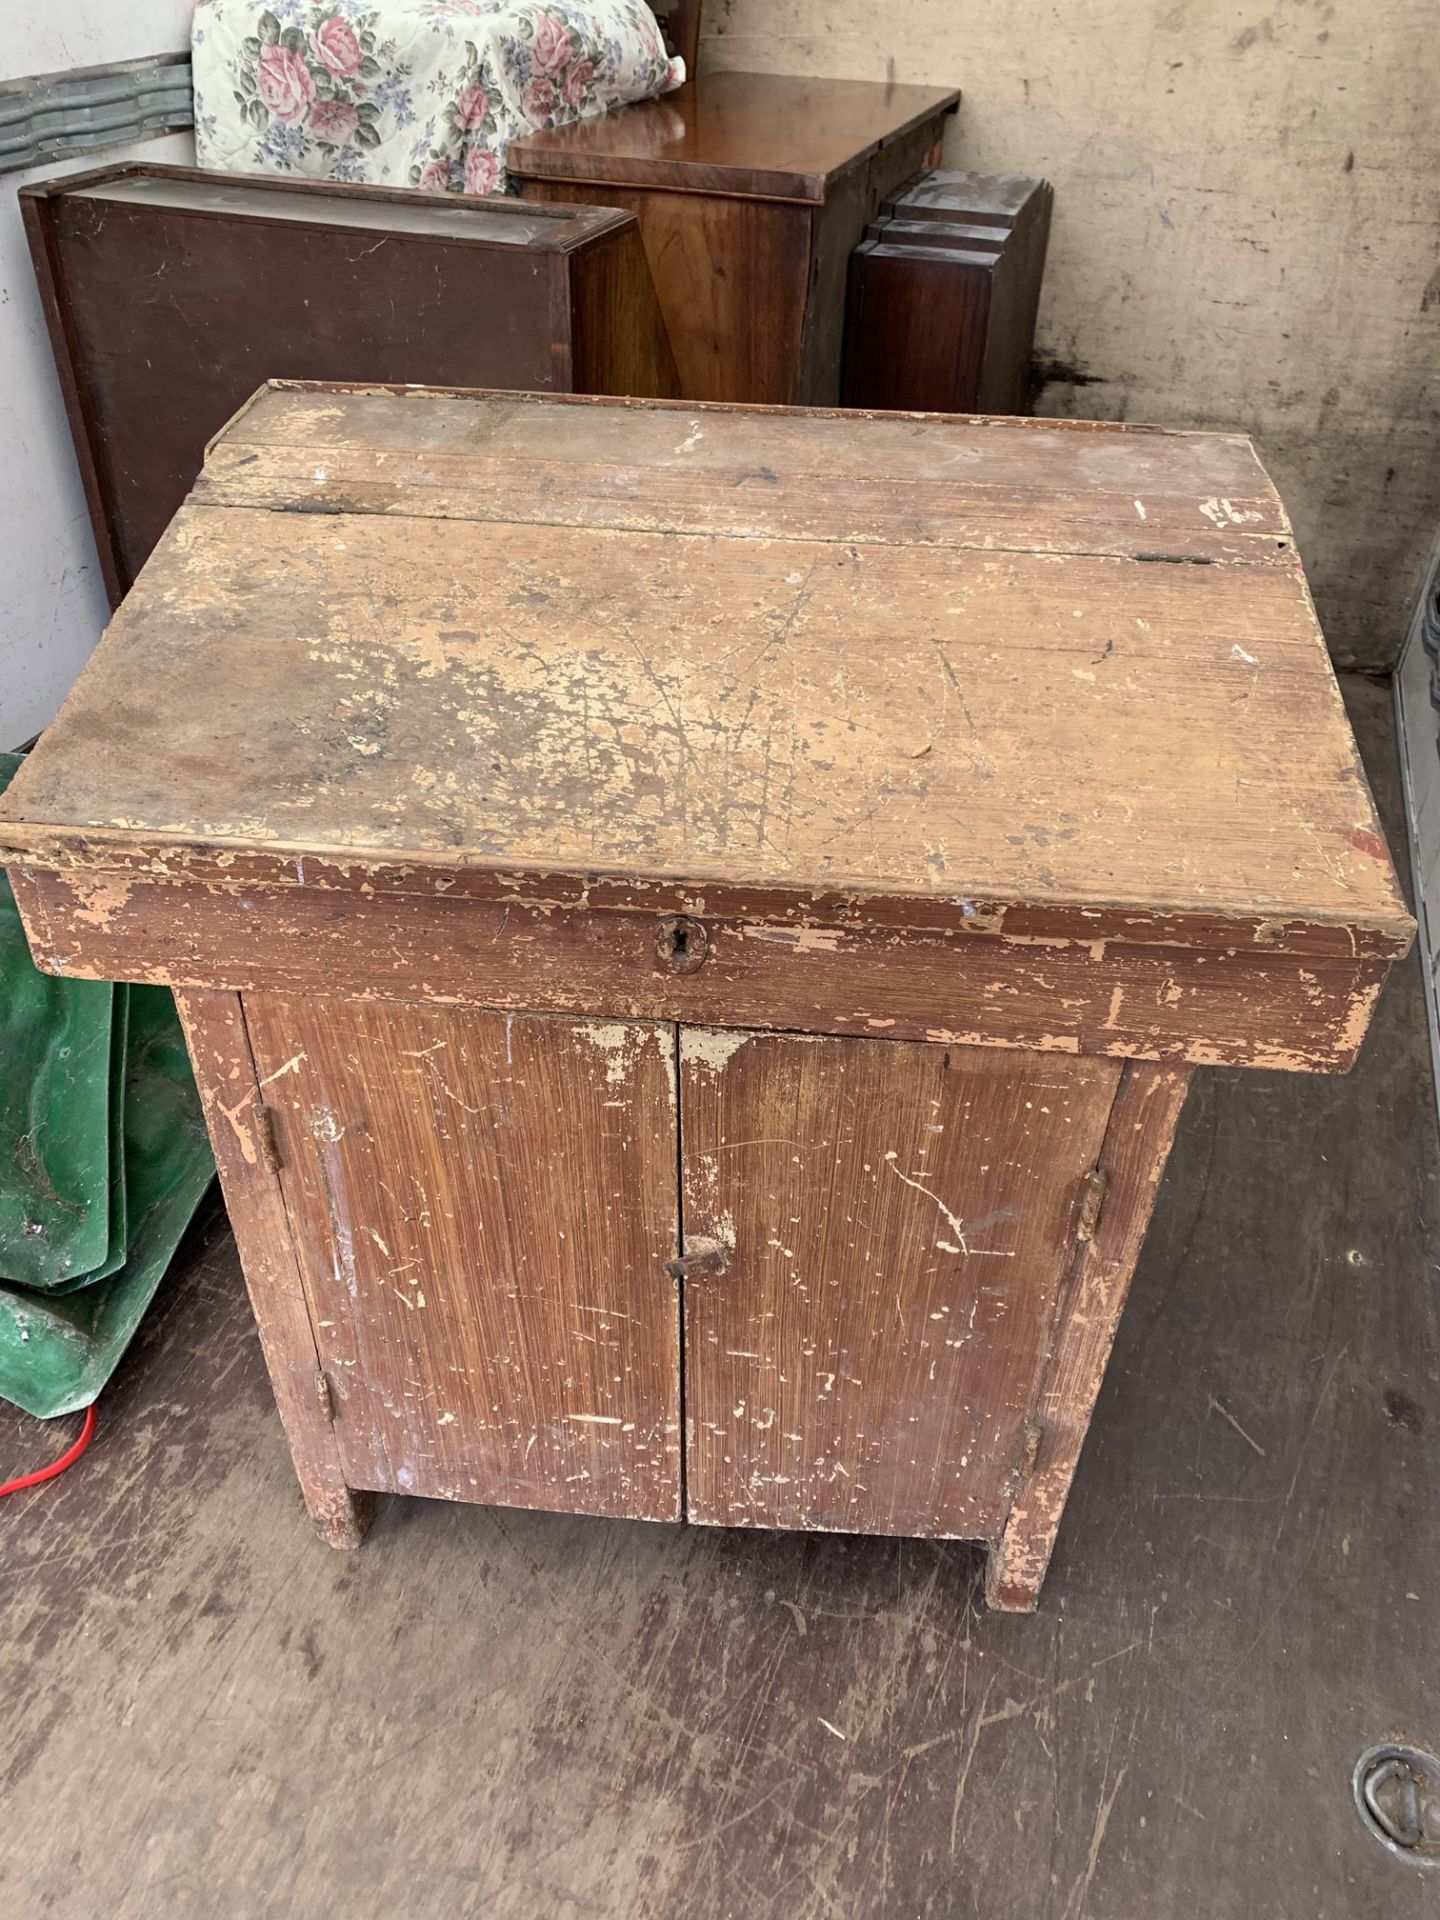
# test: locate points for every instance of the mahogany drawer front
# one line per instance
(1241, 1007)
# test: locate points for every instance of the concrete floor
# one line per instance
(502, 1714)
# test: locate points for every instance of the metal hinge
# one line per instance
(269, 1137)
(1030, 1452)
(326, 1394)
(1090, 1205)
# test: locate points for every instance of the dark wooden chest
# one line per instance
(171, 294)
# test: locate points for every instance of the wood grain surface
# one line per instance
(749, 263)
(234, 1113)
(483, 1208)
(1131, 1164)
(1051, 486)
(1209, 1004)
(775, 136)
(943, 294)
(993, 723)
(207, 1717)
(732, 276)
(170, 292)
(897, 1221)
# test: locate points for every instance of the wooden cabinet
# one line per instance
(751, 189)
(694, 926)
(944, 291)
(170, 294)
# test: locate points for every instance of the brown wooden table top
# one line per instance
(776, 136)
(950, 665)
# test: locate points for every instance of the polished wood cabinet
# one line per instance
(751, 189)
(944, 292)
(691, 1020)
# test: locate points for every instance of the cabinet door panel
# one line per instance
(898, 1220)
(482, 1206)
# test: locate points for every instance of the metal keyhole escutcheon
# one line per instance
(681, 944)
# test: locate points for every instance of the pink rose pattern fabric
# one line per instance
(283, 84)
(420, 93)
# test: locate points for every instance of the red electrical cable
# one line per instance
(67, 1459)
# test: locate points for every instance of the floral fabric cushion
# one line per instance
(418, 93)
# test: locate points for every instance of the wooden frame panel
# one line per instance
(895, 1223)
(730, 276)
(567, 296)
(1137, 1146)
(249, 1177)
(1216, 1006)
(483, 1207)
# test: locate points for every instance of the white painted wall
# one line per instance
(52, 603)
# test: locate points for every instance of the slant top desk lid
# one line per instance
(1053, 679)
(764, 135)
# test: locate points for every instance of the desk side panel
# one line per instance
(731, 278)
(234, 1112)
(619, 340)
(1137, 1147)
(840, 221)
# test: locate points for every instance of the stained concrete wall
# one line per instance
(1245, 231)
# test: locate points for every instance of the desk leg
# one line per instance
(225, 1073)
(1137, 1145)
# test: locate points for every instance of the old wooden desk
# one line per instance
(694, 926)
(751, 189)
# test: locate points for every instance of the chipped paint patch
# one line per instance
(619, 1042)
(1364, 841)
(712, 1048)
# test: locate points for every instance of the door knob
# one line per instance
(705, 1256)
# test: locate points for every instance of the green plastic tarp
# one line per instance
(103, 1161)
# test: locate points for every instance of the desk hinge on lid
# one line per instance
(1090, 1205)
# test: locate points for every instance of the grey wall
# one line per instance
(1247, 231)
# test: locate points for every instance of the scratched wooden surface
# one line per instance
(868, 1358)
(245, 1158)
(482, 1209)
(938, 661)
(528, 1717)
(1146, 1000)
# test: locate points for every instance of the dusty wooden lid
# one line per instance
(1048, 678)
(764, 135)
(486, 222)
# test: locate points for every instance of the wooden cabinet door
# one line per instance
(482, 1207)
(897, 1221)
